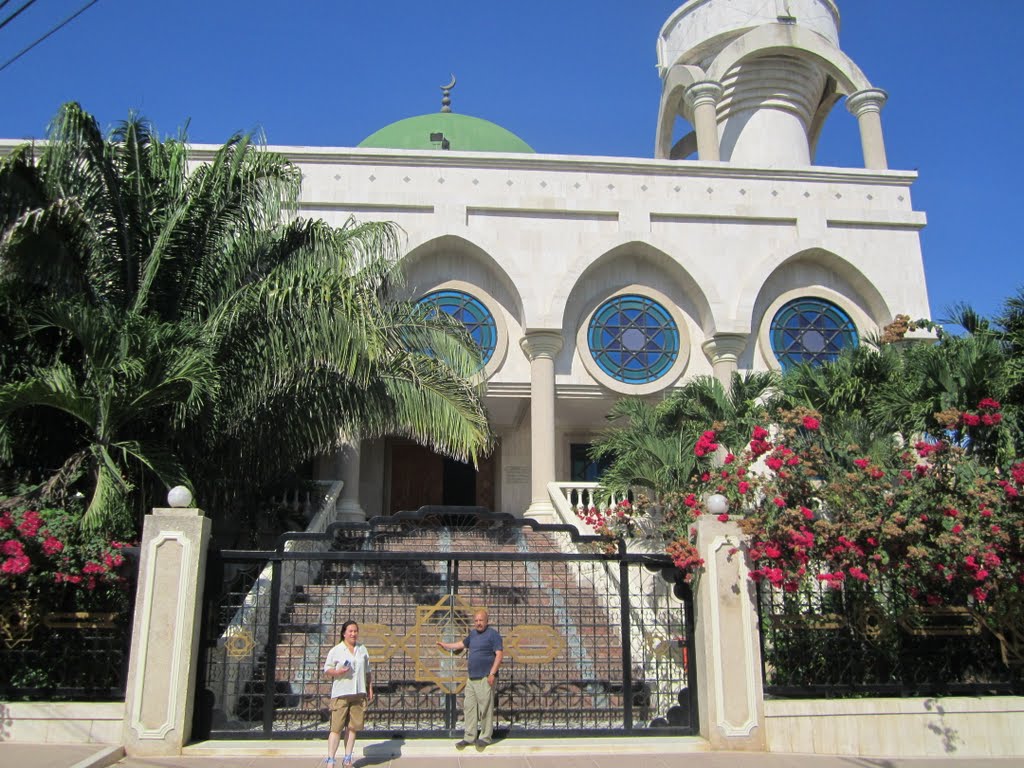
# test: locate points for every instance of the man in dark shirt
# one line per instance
(485, 652)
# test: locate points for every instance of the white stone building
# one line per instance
(591, 278)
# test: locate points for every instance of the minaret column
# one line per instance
(866, 106)
(701, 100)
(724, 350)
(541, 347)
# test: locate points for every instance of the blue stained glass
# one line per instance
(633, 339)
(469, 311)
(811, 330)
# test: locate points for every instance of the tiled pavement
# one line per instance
(595, 754)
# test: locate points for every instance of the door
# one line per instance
(417, 477)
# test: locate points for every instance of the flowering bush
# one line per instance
(46, 556)
(934, 523)
(612, 522)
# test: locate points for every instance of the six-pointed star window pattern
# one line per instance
(471, 312)
(633, 339)
(811, 330)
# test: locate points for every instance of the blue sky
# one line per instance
(568, 76)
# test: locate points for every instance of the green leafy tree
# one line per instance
(170, 321)
(653, 447)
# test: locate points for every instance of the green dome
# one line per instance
(462, 132)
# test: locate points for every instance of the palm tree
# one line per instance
(191, 328)
(654, 448)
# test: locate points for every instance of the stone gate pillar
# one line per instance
(727, 648)
(165, 634)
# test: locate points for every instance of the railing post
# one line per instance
(627, 640)
(726, 644)
(165, 635)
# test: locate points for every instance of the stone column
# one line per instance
(165, 633)
(724, 350)
(541, 347)
(701, 100)
(866, 106)
(727, 647)
(348, 506)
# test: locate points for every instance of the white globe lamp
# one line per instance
(717, 504)
(179, 496)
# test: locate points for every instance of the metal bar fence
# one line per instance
(821, 642)
(581, 657)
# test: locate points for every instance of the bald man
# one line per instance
(484, 659)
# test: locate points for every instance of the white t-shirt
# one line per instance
(359, 659)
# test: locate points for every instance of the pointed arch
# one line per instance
(437, 259)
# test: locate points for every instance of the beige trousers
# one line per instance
(479, 710)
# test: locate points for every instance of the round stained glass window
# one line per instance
(471, 312)
(811, 331)
(633, 339)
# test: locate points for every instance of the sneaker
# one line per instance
(483, 743)
(461, 744)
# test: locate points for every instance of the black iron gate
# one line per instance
(597, 641)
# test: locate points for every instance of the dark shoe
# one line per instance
(461, 744)
(482, 744)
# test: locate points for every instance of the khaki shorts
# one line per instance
(348, 711)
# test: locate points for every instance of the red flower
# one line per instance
(811, 423)
(774, 463)
(971, 419)
(807, 513)
(743, 486)
(772, 551)
(957, 528)
(30, 524)
(988, 404)
(951, 512)
(12, 547)
(729, 458)
(52, 546)
(779, 502)
(6, 521)
(16, 565)
(1017, 471)
(862, 463)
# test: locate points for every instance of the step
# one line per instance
(431, 747)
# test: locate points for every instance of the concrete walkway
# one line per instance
(596, 754)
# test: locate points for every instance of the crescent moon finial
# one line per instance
(446, 92)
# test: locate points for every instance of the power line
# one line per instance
(57, 28)
(14, 15)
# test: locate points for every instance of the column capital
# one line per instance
(868, 100)
(702, 92)
(725, 347)
(537, 344)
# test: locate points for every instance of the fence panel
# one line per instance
(68, 643)
(822, 642)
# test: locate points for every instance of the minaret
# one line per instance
(756, 79)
